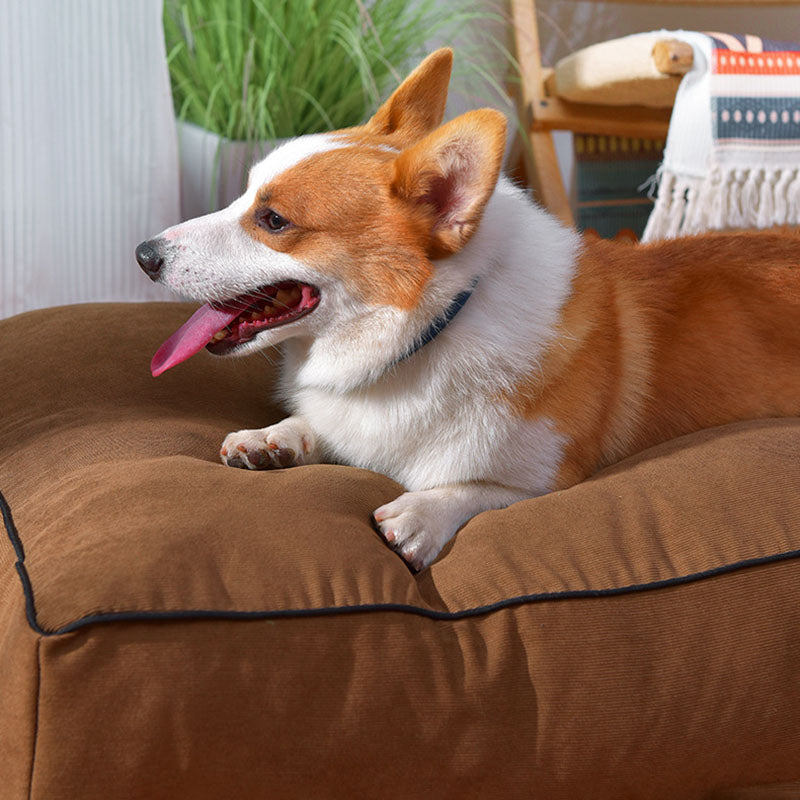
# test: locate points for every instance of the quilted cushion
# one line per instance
(170, 627)
(619, 72)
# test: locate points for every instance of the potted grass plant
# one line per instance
(248, 74)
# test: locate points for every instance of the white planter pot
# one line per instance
(214, 169)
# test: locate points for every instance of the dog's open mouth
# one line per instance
(222, 328)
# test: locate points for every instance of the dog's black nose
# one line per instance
(150, 259)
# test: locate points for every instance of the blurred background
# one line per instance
(118, 118)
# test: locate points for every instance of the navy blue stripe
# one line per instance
(720, 45)
(775, 46)
(326, 611)
(767, 45)
(738, 118)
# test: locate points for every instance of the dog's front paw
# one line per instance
(287, 444)
(416, 526)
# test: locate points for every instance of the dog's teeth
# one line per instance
(283, 296)
(218, 336)
(254, 315)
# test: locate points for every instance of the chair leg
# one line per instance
(544, 175)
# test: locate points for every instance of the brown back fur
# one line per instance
(660, 340)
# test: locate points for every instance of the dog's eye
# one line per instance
(272, 221)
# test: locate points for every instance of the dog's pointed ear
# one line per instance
(450, 175)
(416, 107)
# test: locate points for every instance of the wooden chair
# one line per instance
(543, 108)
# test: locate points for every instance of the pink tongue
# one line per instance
(192, 336)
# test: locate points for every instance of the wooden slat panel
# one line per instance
(526, 36)
(555, 114)
(545, 178)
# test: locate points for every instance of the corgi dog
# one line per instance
(439, 328)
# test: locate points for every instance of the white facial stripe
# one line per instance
(278, 161)
(291, 153)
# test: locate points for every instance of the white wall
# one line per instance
(88, 154)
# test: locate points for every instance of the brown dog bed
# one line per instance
(170, 627)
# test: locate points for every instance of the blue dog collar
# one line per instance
(441, 322)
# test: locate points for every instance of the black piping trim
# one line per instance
(16, 543)
(326, 611)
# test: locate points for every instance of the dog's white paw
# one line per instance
(288, 443)
(417, 525)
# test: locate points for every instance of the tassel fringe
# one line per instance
(725, 199)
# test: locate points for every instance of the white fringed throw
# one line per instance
(733, 148)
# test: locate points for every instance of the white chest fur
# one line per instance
(423, 444)
(440, 417)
